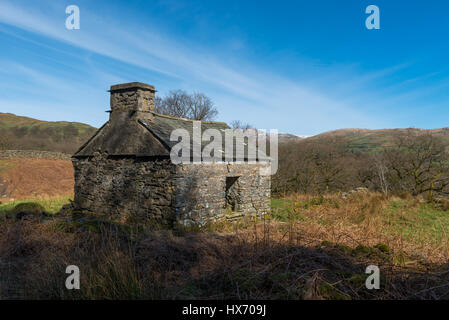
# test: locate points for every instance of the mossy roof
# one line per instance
(145, 135)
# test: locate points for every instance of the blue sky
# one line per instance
(301, 67)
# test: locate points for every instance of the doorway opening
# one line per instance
(232, 194)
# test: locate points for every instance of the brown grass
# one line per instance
(320, 253)
(363, 219)
(28, 178)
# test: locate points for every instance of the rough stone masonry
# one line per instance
(124, 172)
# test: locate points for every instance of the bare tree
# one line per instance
(202, 107)
(414, 161)
(419, 163)
(381, 172)
(313, 167)
(4, 143)
(179, 103)
(237, 124)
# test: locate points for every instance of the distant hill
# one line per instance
(288, 137)
(369, 140)
(24, 133)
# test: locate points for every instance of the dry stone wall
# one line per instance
(14, 154)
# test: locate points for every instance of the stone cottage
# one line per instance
(125, 173)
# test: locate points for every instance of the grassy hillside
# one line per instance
(24, 133)
(369, 140)
(62, 136)
(288, 138)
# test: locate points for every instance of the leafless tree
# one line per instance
(419, 163)
(237, 124)
(313, 167)
(413, 161)
(4, 143)
(381, 171)
(179, 103)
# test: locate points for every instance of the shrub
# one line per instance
(31, 207)
(383, 247)
(27, 209)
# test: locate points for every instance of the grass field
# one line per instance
(51, 204)
(5, 165)
(410, 225)
(27, 177)
(309, 247)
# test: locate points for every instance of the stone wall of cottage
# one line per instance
(200, 193)
(133, 190)
(127, 190)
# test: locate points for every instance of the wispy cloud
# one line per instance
(295, 105)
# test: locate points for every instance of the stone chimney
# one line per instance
(132, 97)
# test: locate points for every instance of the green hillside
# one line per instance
(62, 136)
(371, 140)
(22, 133)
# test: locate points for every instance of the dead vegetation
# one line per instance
(413, 161)
(27, 178)
(309, 248)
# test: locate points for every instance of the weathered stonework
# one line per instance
(124, 172)
(123, 97)
(125, 189)
(157, 192)
(201, 191)
(36, 154)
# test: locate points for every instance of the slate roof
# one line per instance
(145, 136)
(162, 126)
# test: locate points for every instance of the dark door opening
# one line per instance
(232, 193)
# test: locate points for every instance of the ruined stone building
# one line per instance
(124, 172)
